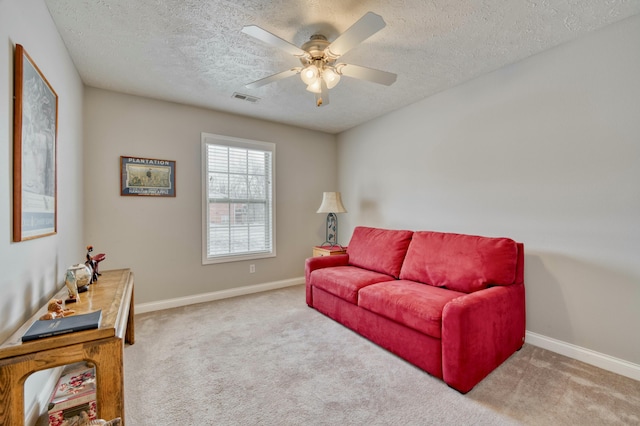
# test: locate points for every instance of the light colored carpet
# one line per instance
(268, 359)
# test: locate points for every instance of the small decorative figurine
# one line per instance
(55, 309)
(92, 262)
(77, 278)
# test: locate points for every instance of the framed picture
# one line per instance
(35, 129)
(147, 176)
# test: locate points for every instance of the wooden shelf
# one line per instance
(104, 346)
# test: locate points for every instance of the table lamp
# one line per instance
(331, 204)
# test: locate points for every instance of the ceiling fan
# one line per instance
(319, 70)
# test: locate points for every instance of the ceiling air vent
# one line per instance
(244, 97)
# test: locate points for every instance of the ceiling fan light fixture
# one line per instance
(318, 57)
(315, 86)
(330, 77)
(309, 74)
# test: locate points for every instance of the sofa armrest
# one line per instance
(480, 331)
(319, 262)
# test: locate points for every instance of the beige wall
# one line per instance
(546, 151)
(31, 271)
(160, 238)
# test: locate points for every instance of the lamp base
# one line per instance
(331, 237)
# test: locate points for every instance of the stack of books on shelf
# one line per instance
(75, 394)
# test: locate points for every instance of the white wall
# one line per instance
(546, 151)
(160, 238)
(33, 270)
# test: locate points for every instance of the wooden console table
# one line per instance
(104, 347)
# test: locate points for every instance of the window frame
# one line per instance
(229, 141)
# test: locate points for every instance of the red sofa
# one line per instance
(451, 304)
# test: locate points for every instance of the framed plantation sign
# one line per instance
(147, 177)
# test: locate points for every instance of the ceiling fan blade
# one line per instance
(364, 28)
(369, 74)
(272, 78)
(267, 37)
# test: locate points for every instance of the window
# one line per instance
(238, 199)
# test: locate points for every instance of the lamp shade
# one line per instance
(331, 203)
(331, 77)
(309, 74)
(315, 86)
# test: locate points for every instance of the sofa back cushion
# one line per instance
(379, 250)
(465, 263)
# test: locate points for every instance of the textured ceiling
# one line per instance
(193, 51)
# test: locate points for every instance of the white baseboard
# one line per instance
(606, 362)
(216, 295)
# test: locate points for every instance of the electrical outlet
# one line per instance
(252, 268)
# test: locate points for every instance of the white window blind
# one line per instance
(238, 199)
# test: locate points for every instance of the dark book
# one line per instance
(57, 326)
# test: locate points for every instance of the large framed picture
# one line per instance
(147, 176)
(35, 129)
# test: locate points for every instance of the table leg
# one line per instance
(129, 335)
(108, 359)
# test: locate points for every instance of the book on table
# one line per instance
(54, 327)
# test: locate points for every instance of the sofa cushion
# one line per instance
(345, 281)
(379, 250)
(409, 303)
(464, 263)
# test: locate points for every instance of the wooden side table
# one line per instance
(328, 251)
(104, 347)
